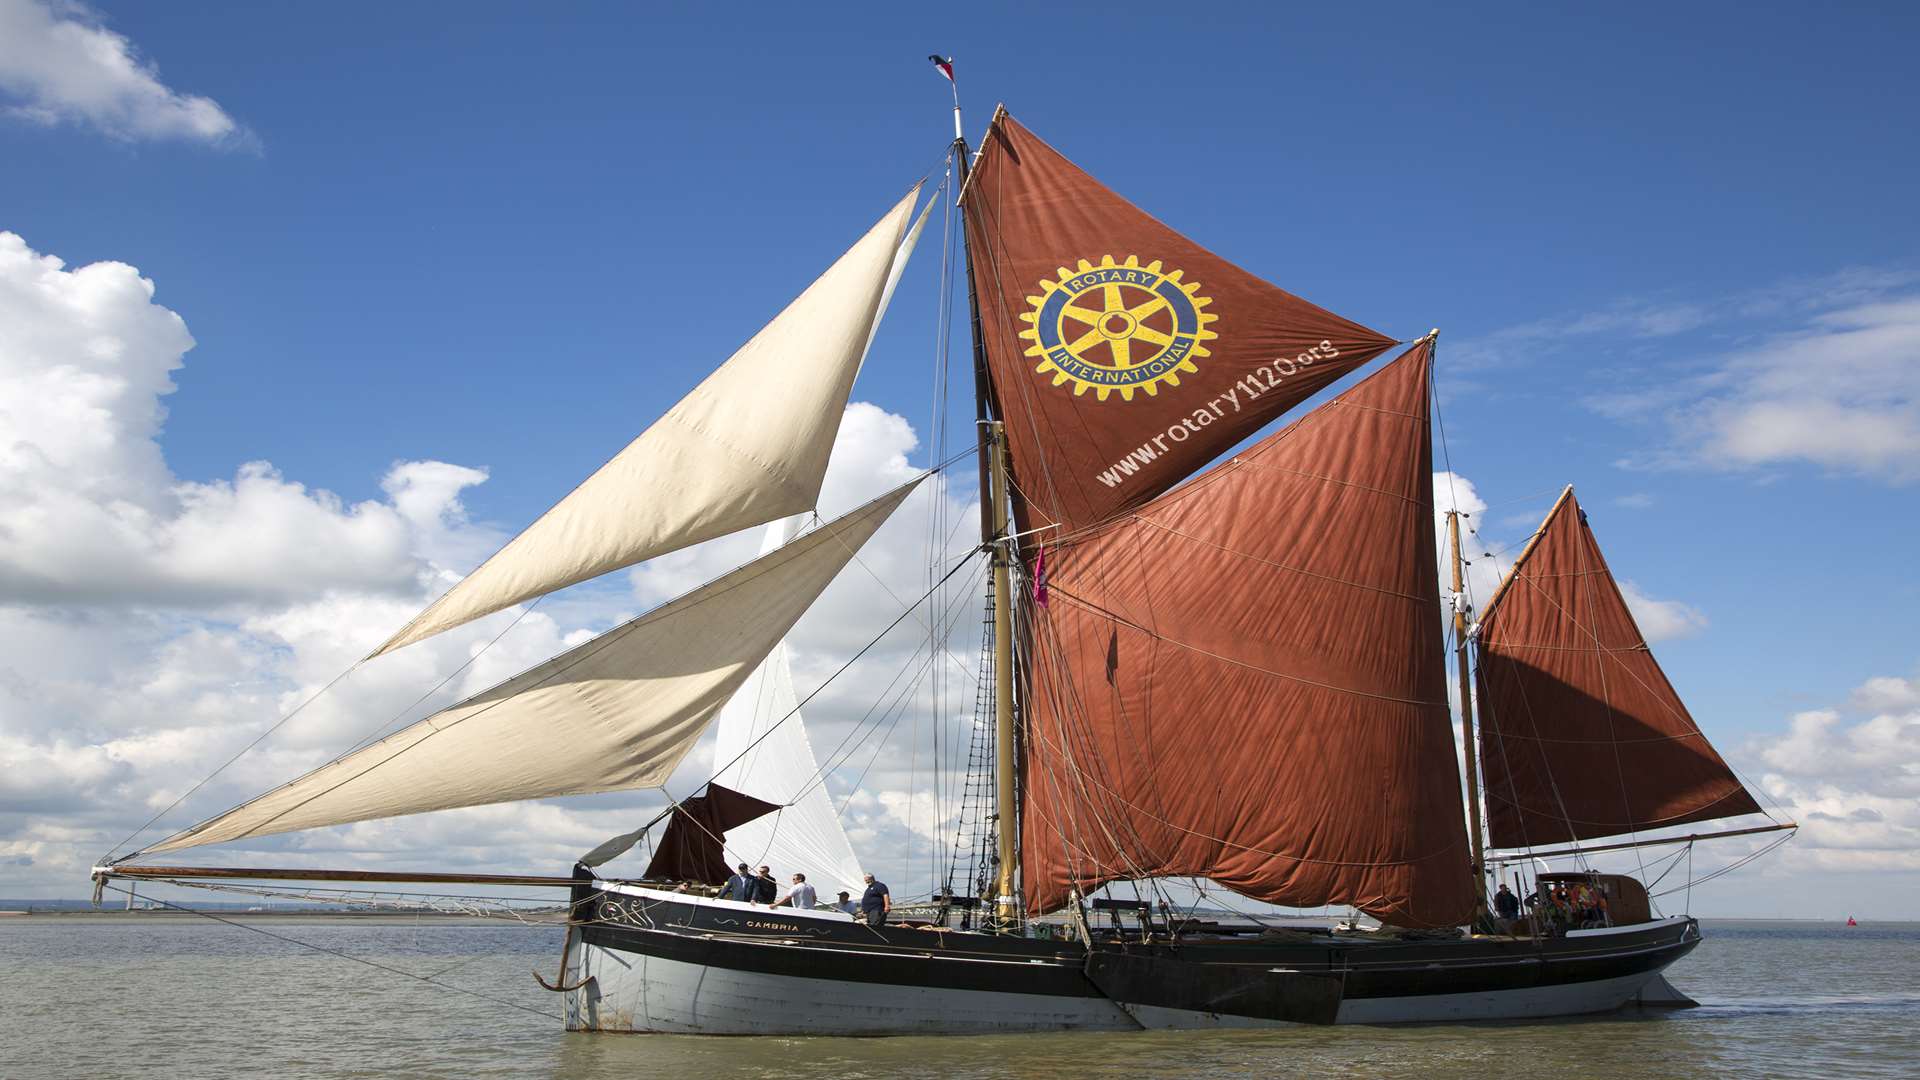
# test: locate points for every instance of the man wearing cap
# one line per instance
(740, 886)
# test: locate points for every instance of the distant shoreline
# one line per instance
(179, 917)
(81, 910)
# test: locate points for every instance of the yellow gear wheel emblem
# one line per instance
(1117, 326)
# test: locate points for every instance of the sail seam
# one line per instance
(1602, 742)
(1449, 849)
(781, 477)
(1157, 636)
(1529, 581)
(1076, 851)
(1280, 565)
(1639, 647)
(1255, 463)
(1416, 417)
(1200, 483)
(1630, 828)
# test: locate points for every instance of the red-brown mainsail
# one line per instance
(1581, 734)
(1244, 679)
(1123, 355)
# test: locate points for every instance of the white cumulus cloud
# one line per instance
(1662, 620)
(1851, 778)
(150, 628)
(59, 63)
(1842, 392)
(90, 513)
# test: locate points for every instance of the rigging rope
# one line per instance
(902, 617)
(317, 695)
(388, 968)
(936, 543)
(1727, 869)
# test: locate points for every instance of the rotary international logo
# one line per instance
(1118, 326)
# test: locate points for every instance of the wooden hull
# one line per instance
(650, 961)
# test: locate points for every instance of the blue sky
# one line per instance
(512, 238)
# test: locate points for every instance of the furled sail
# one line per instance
(1123, 355)
(1581, 735)
(746, 446)
(699, 834)
(761, 749)
(1243, 679)
(616, 712)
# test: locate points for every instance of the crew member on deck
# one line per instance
(800, 896)
(739, 886)
(846, 904)
(1505, 904)
(1583, 904)
(765, 888)
(876, 902)
(1562, 911)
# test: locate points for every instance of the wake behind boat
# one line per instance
(1228, 671)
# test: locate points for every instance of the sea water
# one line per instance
(110, 996)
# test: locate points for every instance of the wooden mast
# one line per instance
(1467, 737)
(993, 536)
(1519, 561)
(1006, 900)
(1469, 743)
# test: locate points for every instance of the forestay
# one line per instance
(619, 711)
(748, 445)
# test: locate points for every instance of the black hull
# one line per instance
(667, 949)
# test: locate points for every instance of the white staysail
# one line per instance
(746, 446)
(619, 711)
(772, 760)
(763, 750)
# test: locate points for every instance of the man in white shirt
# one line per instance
(800, 896)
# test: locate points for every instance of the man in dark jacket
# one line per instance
(876, 902)
(739, 887)
(765, 889)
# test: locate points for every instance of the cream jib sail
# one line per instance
(748, 445)
(616, 712)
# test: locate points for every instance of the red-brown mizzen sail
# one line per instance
(1243, 680)
(1124, 356)
(1581, 734)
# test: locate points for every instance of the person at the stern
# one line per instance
(876, 902)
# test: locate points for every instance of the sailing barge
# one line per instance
(1234, 673)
